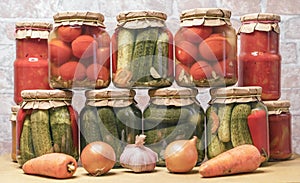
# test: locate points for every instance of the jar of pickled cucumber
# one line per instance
(31, 64)
(173, 114)
(46, 123)
(79, 51)
(142, 48)
(110, 116)
(259, 58)
(280, 130)
(236, 116)
(206, 48)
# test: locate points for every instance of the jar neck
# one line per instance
(37, 48)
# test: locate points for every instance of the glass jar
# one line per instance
(110, 116)
(173, 114)
(236, 116)
(31, 65)
(280, 129)
(142, 49)
(259, 58)
(79, 51)
(13, 121)
(206, 48)
(46, 123)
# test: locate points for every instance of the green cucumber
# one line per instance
(40, 129)
(26, 144)
(239, 127)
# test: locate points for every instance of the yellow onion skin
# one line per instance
(97, 158)
(181, 155)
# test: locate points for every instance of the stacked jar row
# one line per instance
(141, 56)
(47, 122)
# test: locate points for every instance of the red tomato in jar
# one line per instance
(201, 70)
(103, 56)
(186, 52)
(196, 34)
(72, 70)
(96, 71)
(215, 47)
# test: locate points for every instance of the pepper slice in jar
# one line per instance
(258, 127)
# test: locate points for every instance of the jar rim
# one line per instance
(33, 25)
(79, 16)
(109, 94)
(261, 17)
(137, 14)
(169, 92)
(236, 91)
(277, 103)
(46, 95)
(205, 13)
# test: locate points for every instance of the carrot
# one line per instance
(55, 165)
(241, 159)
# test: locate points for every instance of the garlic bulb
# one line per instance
(137, 157)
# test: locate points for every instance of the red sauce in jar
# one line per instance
(31, 65)
(259, 59)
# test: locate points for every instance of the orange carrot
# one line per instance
(55, 165)
(241, 159)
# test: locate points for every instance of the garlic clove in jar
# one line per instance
(137, 157)
(181, 155)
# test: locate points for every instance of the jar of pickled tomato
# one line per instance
(142, 47)
(206, 49)
(259, 58)
(280, 129)
(31, 65)
(79, 51)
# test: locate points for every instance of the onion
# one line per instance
(98, 158)
(181, 155)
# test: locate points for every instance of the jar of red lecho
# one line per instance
(31, 65)
(279, 129)
(259, 59)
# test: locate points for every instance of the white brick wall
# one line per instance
(38, 10)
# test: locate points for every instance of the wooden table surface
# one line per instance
(283, 171)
